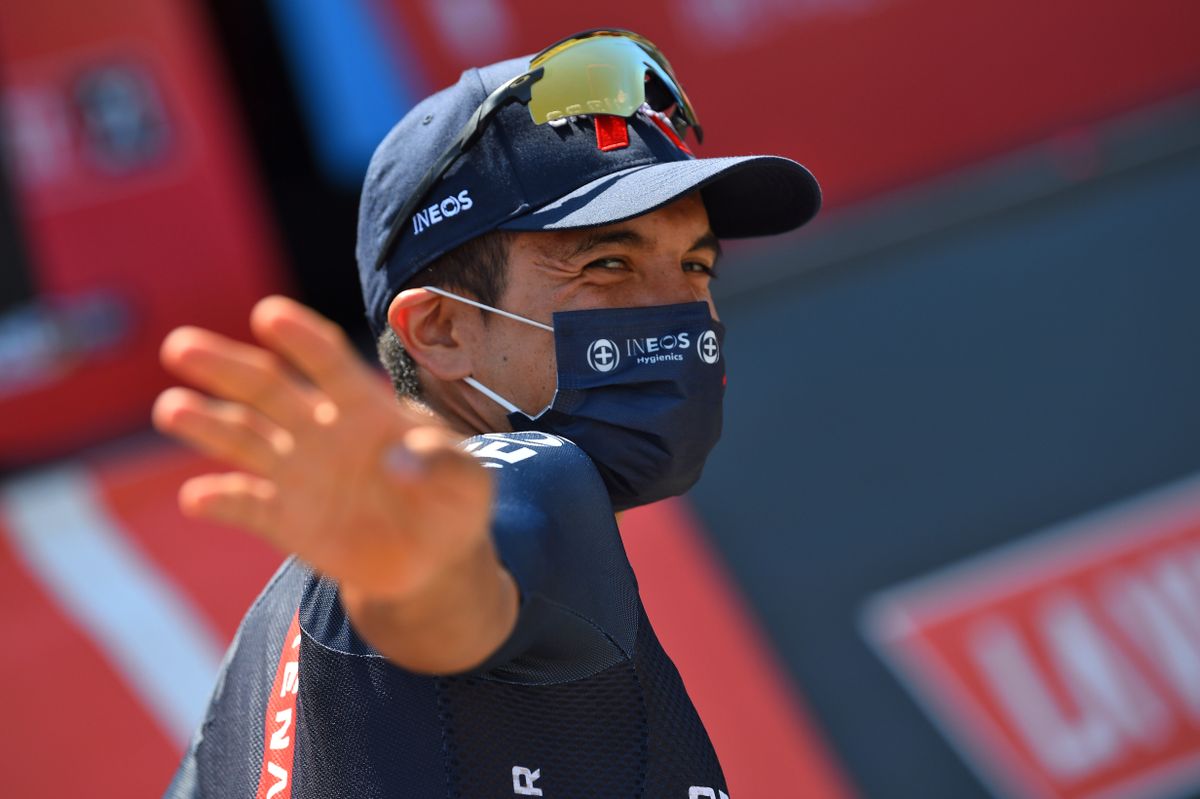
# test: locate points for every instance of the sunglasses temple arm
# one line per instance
(518, 90)
(470, 131)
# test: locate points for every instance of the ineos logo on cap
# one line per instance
(452, 205)
(707, 346)
(603, 355)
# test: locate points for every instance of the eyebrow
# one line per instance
(631, 238)
(708, 241)
(599, 238)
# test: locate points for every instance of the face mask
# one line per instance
(639, 390)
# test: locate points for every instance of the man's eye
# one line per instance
(699, 266)
(607, 263)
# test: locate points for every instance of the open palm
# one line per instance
(330, 466)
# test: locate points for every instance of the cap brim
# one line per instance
(756, 195)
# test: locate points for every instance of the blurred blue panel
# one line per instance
(353, 81)
(921, 404)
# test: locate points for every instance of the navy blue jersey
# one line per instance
(580, 701)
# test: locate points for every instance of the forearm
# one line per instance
(451, 625)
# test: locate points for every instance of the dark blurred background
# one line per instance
(949, 545)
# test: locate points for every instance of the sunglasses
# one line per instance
(604, 71)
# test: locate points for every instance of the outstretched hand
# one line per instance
(329, 465)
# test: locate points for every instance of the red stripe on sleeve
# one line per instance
(279, 735)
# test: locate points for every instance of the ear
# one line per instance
(435, 330)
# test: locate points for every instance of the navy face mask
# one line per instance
(639, 390)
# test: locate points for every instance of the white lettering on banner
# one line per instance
(1067, 664)
(523, 780)
(1100, 674)
(479, 31)
(442, 210)
(724, 26)
(1113, 705)
(1159, 616)
(1116, 705)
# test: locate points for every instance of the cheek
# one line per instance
(523, 366)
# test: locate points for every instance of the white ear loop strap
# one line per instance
(492, 395)
(517, 317)
(472, 382)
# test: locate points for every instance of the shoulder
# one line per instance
(537, 459)
(555, 532)
(498, 449)
(542, 476)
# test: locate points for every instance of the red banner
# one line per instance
(870, 94)
(1067, 665)
(138, 205)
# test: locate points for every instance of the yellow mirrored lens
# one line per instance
(599, 75)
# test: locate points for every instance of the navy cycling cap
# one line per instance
(524, 176)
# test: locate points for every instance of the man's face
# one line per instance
(661, 258)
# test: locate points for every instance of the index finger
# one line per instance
(240, 372)
(316, 346)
